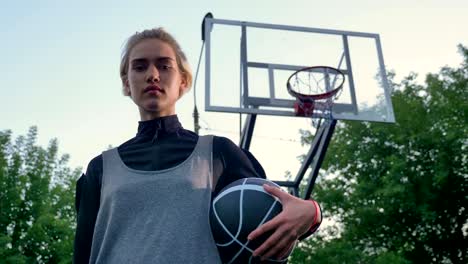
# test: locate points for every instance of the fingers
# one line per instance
(275, 191)
(287, 250)
(279, 250)
(282, 236)
(267, 245)
(286, 226)
(277, 246)
(270, 225)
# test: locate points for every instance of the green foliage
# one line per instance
(399, 191)
(37, 217)
(333, 251)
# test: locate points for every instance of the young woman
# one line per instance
(147, 201)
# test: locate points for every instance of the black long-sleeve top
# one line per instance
(159, 144)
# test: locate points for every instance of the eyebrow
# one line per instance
(159, 59)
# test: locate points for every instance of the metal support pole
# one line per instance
(315, 156)
(247, 132)
(329, 128)
(310, 155)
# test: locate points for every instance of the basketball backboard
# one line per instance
(247, 66)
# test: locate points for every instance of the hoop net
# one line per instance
(315, 89)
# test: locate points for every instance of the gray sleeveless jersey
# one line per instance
(156, 216)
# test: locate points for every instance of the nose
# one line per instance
(153, 75)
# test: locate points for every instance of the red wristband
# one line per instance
(315, 225)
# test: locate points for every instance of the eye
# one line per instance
(164, 66)
(139, 66)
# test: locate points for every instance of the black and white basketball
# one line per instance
(236, 211)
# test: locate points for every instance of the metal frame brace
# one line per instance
(313, 159)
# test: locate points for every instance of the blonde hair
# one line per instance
(163, 35)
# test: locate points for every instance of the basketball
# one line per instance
(237, 210)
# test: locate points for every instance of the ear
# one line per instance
(126, 85)
(183, 88)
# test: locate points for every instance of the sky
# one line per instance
(60, 61)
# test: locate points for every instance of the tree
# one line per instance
(37, 216)
(399, 194)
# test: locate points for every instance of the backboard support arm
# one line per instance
(325, 137)
(313, 159)
(247, 132)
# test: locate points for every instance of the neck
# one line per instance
(150, 115)
(160, 125)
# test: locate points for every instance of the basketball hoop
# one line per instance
(315, 89)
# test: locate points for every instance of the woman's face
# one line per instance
(154, 81)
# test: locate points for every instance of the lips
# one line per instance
(153, 88)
